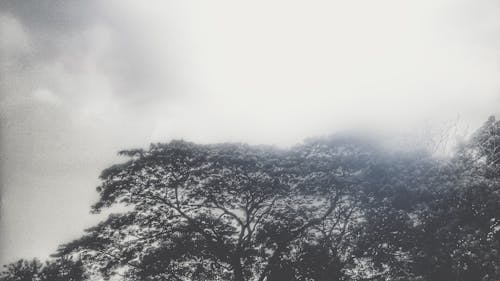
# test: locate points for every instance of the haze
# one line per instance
(81, 80)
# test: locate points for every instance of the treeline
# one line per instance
(341, 208)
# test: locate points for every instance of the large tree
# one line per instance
(327, 210)
(219, 212)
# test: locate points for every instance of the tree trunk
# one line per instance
(238, 271)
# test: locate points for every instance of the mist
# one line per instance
(80, 81)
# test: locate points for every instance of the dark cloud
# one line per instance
(70, 32)
(48, 22)
(53, 16)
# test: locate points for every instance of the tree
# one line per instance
(459, 238)
(219, 212)
(340, 208)
(63, 269)
(436, 220)
(397, 191)
(473, 206)
(22, 270)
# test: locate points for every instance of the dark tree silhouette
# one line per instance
(436, 220)
(225, 212)
(22, 270)
(328, 210)
(62, 269)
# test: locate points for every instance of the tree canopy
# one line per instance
(339, 208)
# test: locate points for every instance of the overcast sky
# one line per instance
(81, 80)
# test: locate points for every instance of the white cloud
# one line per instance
(46, 96)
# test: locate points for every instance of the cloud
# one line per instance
(81, 80)
(46, 96)
(14, 37)
(85, 41)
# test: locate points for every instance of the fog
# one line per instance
(82, 80)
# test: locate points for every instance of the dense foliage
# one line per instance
(63, 269)
(329, 209)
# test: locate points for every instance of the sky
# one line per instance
(81, 80)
